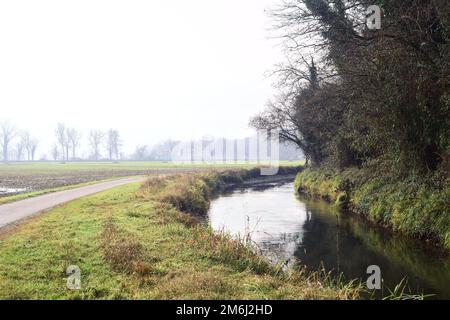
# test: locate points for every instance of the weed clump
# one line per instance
(123, 253)
(235, 252)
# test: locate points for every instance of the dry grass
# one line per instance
(123, 253)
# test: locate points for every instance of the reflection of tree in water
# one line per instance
(319, 235)
(344, 244)
(332, 245)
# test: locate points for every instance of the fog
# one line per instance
(151, 69)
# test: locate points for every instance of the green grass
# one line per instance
(137, 242)
(413, 206)
(25, 168)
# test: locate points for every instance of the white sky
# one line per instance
(152, 69)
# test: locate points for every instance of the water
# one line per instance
(284, 226)
(8, 191)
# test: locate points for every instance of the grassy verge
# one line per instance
(145, 242)
(412, 206)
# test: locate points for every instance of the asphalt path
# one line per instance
(13, 212)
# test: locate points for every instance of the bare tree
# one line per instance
(380, 94)
(19, 150)
(61, 137)
(55, 152)
(113, 144)
(21, 146)
(25, 138)
(73, 139)
(140, 153)
(96, 138)
(32, 146)
(163, 151)
(7, 133)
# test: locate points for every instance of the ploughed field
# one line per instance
(27, 177)
(16, 178)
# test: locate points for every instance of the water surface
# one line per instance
(10, 191)
(284, 225)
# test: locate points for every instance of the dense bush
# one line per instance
(367, 96)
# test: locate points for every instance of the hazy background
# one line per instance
(152, 69)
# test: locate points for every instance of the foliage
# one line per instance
(370, 96)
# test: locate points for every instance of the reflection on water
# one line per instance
(284, 225)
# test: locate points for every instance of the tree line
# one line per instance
(351, 96)
(20, 145)
(102, 144)
(24, 147)
(164, 151)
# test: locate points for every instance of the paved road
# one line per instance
(15, 211)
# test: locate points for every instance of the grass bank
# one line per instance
(144, 241)
(413, 206)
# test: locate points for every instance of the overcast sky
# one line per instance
(152, 69)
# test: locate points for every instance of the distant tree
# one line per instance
(19, 150)
(7, 134)
(25, 140)
(113, 144)
(55, 152)
(163, 151)
(96, 138)
(21, 146)
(29, 143)
(140, 153)
(73, 139)
(63, 142)
(32, 146)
